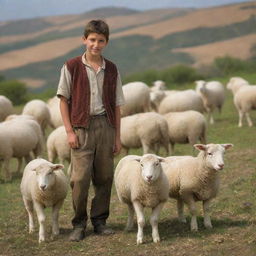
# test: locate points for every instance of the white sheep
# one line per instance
(6, 107)
(54, 108)
(155, 99)
(244, 98)
(18, 138)
(137, 98)
(194, 179)
(39, 110)
(148, 130)
(158, 85)
(43, 185)
(213, 96)
(140, 182)
(181, 101)
(14, 116)
(186, 127)
(57, 145)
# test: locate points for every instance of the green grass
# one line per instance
(233, 210)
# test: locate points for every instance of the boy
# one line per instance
(90, 92)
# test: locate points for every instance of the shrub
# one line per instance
(14, 90)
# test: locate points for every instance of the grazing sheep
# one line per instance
(6, 107)
(43, 185)
(148, 130)
(181, 101)
(39, 110)
(137, 98)
(155, 99)
(186, 127)
(244, 98)
(158, 85)
(213, 96)
(18, 138)
(140, 182)
(54, 108)
(57, 145)
(194, 179)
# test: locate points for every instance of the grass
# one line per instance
(233, 211)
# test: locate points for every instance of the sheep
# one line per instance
(181, 101)
(137, 98)
(155, 99)
(14, 116)
(140, 182)
(39, 110)
(148, 130)
(18, 138)
(6, 107)
(158, 85)
(213, 96)
(43, 185)
(194, 179)
(57, 145)
(186, 127)
(244, 98)
(54, 108)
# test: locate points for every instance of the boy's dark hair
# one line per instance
(97, 26)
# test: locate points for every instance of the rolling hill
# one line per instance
(34, 50)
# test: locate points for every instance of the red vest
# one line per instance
(80, 92)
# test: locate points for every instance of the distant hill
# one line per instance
(34, 50)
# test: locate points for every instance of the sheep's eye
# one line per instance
(157, 163)
(141, 165)
(209, 154)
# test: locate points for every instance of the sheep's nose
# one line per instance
(43, 187)
(149, 177)
(221, 166)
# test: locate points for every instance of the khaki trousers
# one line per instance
(92, 161)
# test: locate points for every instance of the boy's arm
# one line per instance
(117, 145)
(64, 110)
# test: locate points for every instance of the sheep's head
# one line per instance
(150, 167)
(45, 174)
(213, 154)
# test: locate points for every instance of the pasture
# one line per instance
(233, 211)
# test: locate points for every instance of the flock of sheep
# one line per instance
(151, 118)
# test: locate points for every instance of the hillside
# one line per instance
(34, 50)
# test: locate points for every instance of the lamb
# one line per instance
(244, 98)
(155, 99)
(57, 145)
(213, 96)
(54, 108)
(186, 127)
(181, 101)
(158, 85)
(43, 185)
(18, 138)
(137, 99)
(6, 107)
(194, 179)
(148, 130)
(140, 182)
(39, 110)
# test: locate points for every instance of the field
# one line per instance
(233, 211)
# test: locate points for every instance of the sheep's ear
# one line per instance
(137, 159)
(161, 159)
(200, 147)
(56, 167)
(227, 146)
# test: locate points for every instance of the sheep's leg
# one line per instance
(154, 222)
(130, 221)
(140, 220)
(19, 164)
(7, 174)
(29, 207)
(51, 155)
(145, 147)
(41, 220)
(55, 218)
(207, 218)
(192, 208)
(241, 116)
(28, 158)
(249, 120)
(180, 209)
(211, 118)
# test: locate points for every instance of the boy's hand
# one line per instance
(117, 147)
(73, 140)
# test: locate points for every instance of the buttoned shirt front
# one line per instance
(96, 86)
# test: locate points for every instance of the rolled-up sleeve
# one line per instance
(119, 91)
(64, 83)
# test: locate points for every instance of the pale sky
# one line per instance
(22, 9)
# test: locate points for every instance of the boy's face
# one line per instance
(95, 43)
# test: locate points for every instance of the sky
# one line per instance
(24, 9)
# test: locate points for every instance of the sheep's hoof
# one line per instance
(128, 229)
(31, 230)
(41, 240)
(139, 241)
(208, 226)
(156, 239)
(183, 220)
